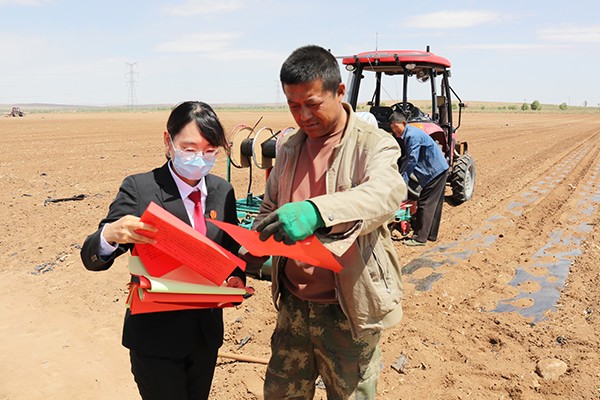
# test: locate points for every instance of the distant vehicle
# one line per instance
(16, 112)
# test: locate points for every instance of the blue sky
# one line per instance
(230, 51)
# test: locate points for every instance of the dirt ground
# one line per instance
(513, 279)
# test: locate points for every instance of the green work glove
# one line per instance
(291, 222)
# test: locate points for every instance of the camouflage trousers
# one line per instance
(313, 339)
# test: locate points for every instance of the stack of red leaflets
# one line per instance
(179, 289)
(182, 270)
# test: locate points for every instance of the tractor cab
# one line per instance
(389, 77)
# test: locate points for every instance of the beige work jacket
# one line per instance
(364, 190)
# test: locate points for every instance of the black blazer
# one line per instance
(167, 334)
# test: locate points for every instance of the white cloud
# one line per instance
(204, 7)
(504, 46)
(16, 45)
(571, 34)
(199, 42)
(452, 19)
(216, 46)
(248, 54)
(24, 2)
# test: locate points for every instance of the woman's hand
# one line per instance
(235, 282)
(128, 229)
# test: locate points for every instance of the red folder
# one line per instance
(190, 291)
(137, 306)
(178, 244)
(188, 298)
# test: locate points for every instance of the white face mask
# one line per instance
(193, 165)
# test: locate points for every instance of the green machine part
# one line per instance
(247, 209)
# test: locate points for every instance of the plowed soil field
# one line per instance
(513, 280)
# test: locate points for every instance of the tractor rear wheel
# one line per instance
(462, 179)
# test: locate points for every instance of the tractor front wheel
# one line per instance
(462, 179)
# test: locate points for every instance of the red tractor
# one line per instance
(391, 70)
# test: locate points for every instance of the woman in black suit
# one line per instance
(173, 354)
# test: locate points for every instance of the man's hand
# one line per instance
(254, 264)
(251, 259)
(291, 222)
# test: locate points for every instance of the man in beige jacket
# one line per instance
(337, 177)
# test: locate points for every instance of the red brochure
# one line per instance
(309, 250)
(179, 244)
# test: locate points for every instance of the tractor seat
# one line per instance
(418, 116)
(382, 115)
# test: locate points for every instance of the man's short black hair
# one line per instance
(309, 63)
(397, 118)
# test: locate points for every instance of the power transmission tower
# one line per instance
(131, 82)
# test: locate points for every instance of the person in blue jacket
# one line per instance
(425, 159)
